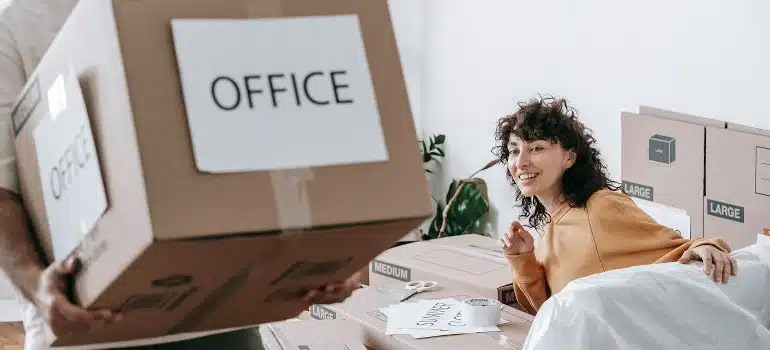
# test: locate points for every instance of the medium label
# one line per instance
(71, 179)
(319, 312)
(255, 103)
(393, 271)
(725, 210)
(638, 190)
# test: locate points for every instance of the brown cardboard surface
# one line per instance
(472, 263)
(737, 185)
(362, 307)
(677, 181)
(180, 250)
(294, 334)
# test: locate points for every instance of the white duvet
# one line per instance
(661, 306)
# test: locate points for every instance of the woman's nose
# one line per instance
(522, 161)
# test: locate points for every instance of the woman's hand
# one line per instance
(517, 240)
(726, 266)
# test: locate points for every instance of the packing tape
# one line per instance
(290, 191)
(481, 312)
(290, 187)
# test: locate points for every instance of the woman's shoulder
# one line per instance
(608, 197)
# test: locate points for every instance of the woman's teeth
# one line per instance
(527, 176)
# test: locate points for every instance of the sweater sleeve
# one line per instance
(625, 235)
(529, 284)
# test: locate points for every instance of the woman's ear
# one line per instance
(571, 158)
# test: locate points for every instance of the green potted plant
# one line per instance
(466, 206)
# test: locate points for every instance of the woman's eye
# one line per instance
(537, 149)
(514, 152)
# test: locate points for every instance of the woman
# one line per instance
(588, 226)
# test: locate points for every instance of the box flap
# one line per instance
(748, 129)
(682, 117)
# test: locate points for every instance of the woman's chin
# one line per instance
(527, 192)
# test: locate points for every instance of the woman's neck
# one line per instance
(551, 202)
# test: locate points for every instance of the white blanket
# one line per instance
(661, 306)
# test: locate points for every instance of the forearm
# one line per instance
(19, 256)
(529, 281)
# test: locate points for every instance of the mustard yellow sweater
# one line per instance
(610, 232)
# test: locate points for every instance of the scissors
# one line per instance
(415, 287)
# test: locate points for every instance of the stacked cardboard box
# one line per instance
(662, 159)
(716, 171)
(208, 184)
(737, 203)
(471, 263)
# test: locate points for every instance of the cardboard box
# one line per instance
(737, 184)
(472, 263)
(130, 143)
(363, 309)
(302, 335)
(663, 157)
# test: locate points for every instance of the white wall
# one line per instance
(706, 57)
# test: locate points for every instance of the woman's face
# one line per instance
(538, 166)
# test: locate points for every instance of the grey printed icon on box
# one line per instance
(662, 149)
(762, 179)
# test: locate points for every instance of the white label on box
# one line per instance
(269, 94)
(673, 218)
(70, 175)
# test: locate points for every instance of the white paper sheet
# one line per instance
(430, 318)
(671, 217)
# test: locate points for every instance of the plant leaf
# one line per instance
(440, 139)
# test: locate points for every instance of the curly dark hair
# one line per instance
(552, 119)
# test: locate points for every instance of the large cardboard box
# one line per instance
(472, 263)
(207, 183)
(662, 159)
(363, 309)
(737, 184)
(302, 335)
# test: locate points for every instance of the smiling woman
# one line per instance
(588, 224)
(551, 153)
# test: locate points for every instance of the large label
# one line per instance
(638, 190)
(319, 312)
(726, 211)
(70, 176)
(269, 94)
(393, 271)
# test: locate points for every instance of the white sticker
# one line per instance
(673, 218)
(269, 94)
(70, 176)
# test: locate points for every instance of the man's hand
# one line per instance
(335, 292)
(517, 240)
(726, 266)
(61, 315)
